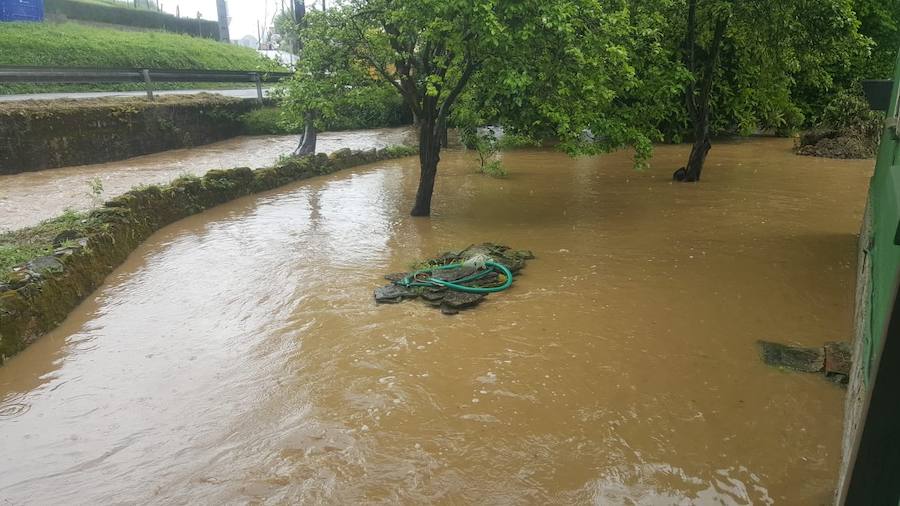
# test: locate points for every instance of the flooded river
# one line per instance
(238, 357)
(30, 197)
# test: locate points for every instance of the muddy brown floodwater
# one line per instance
(30, 197)
(238, 357)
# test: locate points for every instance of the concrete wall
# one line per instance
(38, 135)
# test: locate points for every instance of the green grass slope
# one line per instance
(74, 45)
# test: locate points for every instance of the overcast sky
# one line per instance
(243, 13)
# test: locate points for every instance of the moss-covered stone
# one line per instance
(37, 295)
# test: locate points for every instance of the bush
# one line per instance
(363, 107)
(267, 121)
(399, 151)
(847, 129)
(494, 168)
(127, 16)
(369, 107)
(488, 146)
(849, 110)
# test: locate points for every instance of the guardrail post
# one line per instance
(259, 93)
(148, 83)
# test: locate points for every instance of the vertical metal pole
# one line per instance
(222, 12)
(259, 93)
(148, 83)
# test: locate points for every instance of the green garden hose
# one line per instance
(411, 281)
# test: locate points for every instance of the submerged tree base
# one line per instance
(473, 273)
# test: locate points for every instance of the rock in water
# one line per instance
(838, 359)
(461, 300)
(434, 295)
(472, 260)
(392, 294)
(795, 358)
(454, 274)
(397, 276)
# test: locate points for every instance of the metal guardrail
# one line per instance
(80, 75)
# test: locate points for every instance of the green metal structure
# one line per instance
(874, 460)
(884, 249)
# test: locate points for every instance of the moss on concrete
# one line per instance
(55, 133)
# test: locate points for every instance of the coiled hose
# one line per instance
(413, 281)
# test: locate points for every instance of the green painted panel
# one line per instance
(884, 194)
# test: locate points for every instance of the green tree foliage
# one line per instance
(328, 77)
(880, 21)
(287, 29)
(595, 74)
(752, 60)
(564, 68)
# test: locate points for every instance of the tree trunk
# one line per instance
(698, 103)
(698, 157)
(445, 139)
(429, 156)
(307, 145)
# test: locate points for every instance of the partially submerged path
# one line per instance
(28, 198)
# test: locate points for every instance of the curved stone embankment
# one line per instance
(40, 293)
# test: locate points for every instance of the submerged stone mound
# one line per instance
(833, 359)
(469, 268)
(846, 144)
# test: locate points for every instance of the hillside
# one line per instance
(115, 13)
(74, 45)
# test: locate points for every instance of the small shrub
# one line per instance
(267, 121)
(400, 151)
(494, 168)
(369, 107)
(95, 186)
(185, 177)
(488, 147)
(846, 129)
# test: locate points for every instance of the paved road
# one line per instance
(243, 93)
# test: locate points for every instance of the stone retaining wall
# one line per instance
(41, 293)
(37, 135)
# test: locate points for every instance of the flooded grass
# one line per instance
(24, 244)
